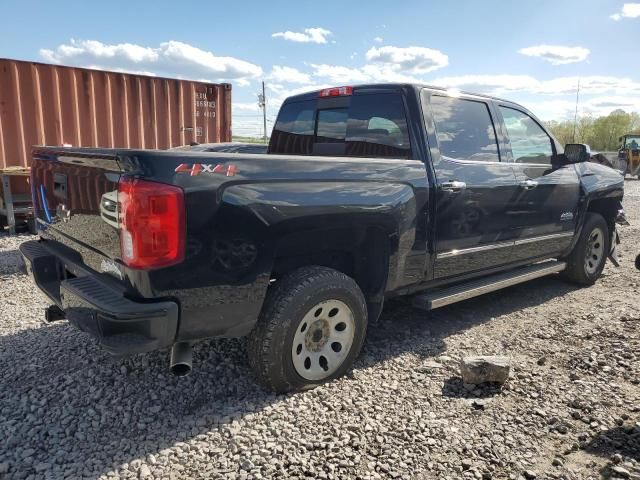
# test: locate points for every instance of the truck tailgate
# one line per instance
(75, 200)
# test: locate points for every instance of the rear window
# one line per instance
(370, 126)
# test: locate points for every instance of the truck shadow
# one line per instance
(624, 440)
(59, 393)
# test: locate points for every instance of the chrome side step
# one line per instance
(448, 295)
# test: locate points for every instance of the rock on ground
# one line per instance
(485, 369)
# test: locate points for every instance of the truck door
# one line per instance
(544, 217)
(475, 189)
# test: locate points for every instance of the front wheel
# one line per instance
(588, 257)
(310, 330)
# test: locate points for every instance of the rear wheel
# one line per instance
(588, 257)
(310, 330)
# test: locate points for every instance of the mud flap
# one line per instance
(615, 240)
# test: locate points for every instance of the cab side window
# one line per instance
(529, 142)
(464, 129)
(377, 127)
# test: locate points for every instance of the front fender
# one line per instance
(601, 190)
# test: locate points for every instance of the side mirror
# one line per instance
(577, 152)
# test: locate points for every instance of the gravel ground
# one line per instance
(570, 410)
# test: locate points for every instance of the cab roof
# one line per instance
(394, 87)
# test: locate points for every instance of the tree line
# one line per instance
(600, 133)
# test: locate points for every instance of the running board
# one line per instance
(448, 295)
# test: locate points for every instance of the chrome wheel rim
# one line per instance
(323, 339)
(595, 251)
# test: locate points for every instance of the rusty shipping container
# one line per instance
(42, 104)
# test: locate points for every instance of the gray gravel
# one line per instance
(570, 409)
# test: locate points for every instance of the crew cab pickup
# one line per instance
(365, 193)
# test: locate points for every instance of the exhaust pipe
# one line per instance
(180, 363)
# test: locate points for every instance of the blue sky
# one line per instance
(531, 52)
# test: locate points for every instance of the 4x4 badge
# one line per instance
(195, 169)
(566, 216)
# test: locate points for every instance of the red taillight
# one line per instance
(152, 228)
(336, 92)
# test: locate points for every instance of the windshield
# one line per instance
(632, 142)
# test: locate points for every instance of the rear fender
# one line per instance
(308, 221)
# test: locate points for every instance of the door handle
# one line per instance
(528, 184)
(453, 186)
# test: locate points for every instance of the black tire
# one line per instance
(578, 270)
(288, 301)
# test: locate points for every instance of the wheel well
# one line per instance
(608, 208)
(359, 252)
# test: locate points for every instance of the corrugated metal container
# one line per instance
(43, 104)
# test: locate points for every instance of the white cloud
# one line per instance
(596, 106)
(614, 102)
(246, 107)
(288, 75)
(499, 84)
(387, 64)
(488, 83)
(172, 58)
(629, 10)
(339, 73)
(410, 59)
(309, 35)
(388, 73)
(378, 40)
(557, 54)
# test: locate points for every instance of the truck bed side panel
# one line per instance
(238, 226)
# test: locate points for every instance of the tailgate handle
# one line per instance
(60, 185)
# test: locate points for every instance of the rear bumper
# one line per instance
(121, 325)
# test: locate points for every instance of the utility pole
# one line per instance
(262, 103)
(575, 116)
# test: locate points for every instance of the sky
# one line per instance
(531, 52)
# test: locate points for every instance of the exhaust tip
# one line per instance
(181, 369)
(180, 363)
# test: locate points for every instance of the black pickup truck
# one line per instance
(365, 193)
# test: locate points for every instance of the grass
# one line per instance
(237, 138)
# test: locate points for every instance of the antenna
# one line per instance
(575, 116)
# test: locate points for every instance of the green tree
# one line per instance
(601, 133)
